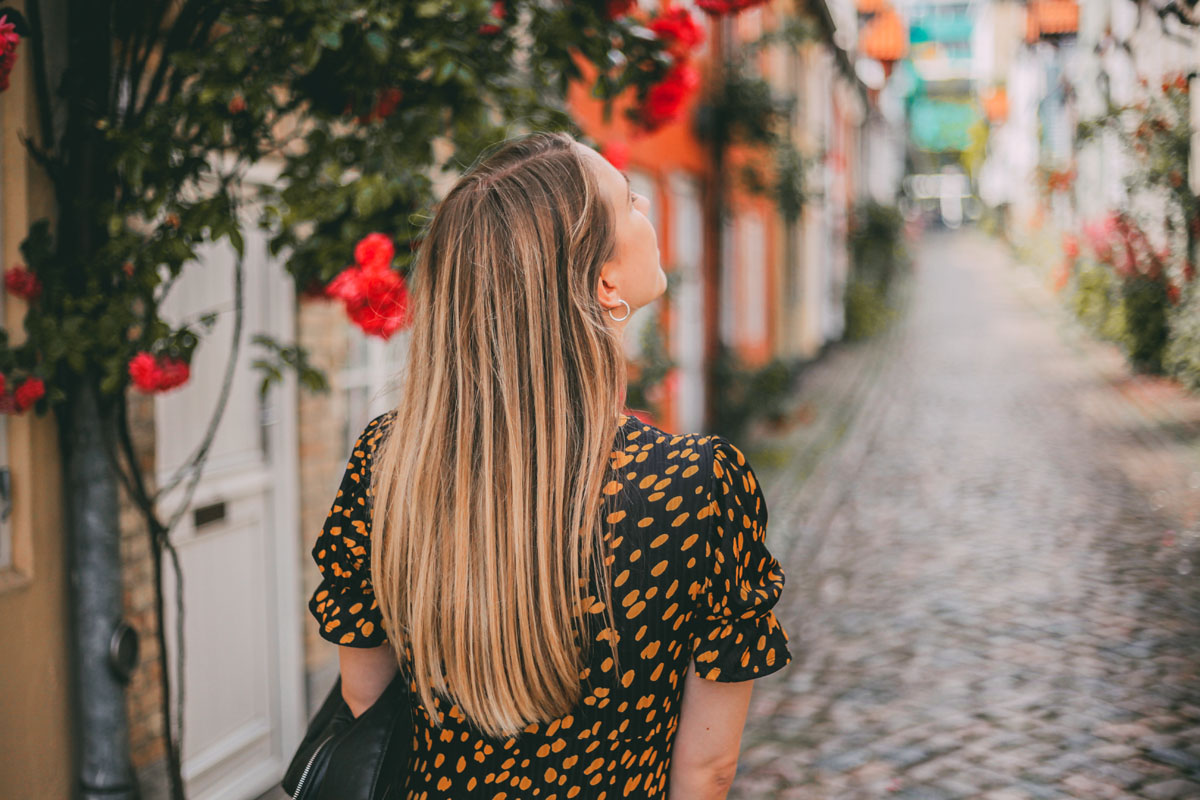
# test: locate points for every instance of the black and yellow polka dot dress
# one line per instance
(693, 582)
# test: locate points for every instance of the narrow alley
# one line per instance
(981, 601)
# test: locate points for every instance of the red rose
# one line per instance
(665, 100)
(677, 28)
(374, 251)
(376, 299)
(382, 308)
(172, 372)
(143, 370)
(723, 7)
(152, 373)
(497, 12)
(237, 105)
(23, 283)
(29, 392)
(386, 102)
(8, 50)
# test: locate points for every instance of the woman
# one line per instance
(580, 599)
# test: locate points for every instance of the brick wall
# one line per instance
(322, 329)
(143, 698)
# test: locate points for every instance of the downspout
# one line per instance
(103, 648)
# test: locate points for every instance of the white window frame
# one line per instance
(368, 378)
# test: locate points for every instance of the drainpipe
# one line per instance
(104, 647)
(103, 651)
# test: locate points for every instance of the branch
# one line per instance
(178, 38)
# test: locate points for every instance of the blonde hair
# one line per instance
(488, 490)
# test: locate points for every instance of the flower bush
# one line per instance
(1137, 286)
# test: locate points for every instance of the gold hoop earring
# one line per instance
(628, 311)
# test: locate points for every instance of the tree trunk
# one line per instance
(94, 564)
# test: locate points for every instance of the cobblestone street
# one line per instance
(987, 596)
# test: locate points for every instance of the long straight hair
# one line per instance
(488, 491)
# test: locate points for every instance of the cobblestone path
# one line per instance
(981, 603)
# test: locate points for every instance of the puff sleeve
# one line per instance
(738, 636)
(344, 603)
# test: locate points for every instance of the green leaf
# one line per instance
(429, 8)
(331, 39)
(378, 45)
(444, 73)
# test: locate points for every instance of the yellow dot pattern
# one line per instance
(693, 583)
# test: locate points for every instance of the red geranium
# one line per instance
(678, 30)
(29, 392)
(665, 100)
(160, 373)
(23, 283)
(8, 50)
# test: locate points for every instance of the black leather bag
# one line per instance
(343, 757)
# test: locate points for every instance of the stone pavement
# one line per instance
(990, 539)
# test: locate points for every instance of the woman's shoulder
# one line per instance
(707, 455)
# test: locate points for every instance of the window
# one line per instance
(368, 379)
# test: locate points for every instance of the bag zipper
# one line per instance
(308, 766)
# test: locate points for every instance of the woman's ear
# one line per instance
(607, 292)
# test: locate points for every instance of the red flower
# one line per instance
(374, 251)
(172, 372)
(665, 100)
(23, 283)
(237, 105)
(152, 373)
(497, 12)
(1071, 246)
(1173, 293)
(618, 8)
(8, 50)
(386, 102)
(376, 298)
(29, 392)
(678, 30)
(1189, 271)
(617, 153)
(723, 7)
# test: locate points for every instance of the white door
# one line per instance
(238, 549)
(687, 307)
